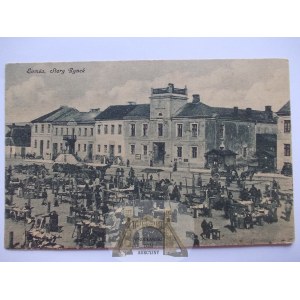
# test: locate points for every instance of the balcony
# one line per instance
(70, 138)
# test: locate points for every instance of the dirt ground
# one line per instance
(281, 232)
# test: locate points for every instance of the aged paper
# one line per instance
(148, 155)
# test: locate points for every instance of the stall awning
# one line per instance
(220, 152)
(150, 170)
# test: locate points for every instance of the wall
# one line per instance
(167, 105)
(108, 139)
(59, 130)
(11, 150)
(38, 136)
(282, 138)
(187, 141)
(139, 140)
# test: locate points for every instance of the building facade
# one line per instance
(109, 132)
(17, 140)
(284, 152)
(65, 130)
(175, 130)
(167, 130)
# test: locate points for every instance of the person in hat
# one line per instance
(196, 241)
(288, 210)
(44, 196)
(204, 226)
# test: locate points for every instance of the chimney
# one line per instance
(268, 108)
(170, 87)
(268, 111)
(95, 110)
(131, 103)
(235, 111)
(196, 98)
(248, 112)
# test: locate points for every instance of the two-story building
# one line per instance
(109, 133)
(172, 129)
(65, 130)
(284, 149)
(17, 140)
(42, 131)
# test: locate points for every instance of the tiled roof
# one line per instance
(62, 112)
(193, 110)
(78, 117)
(84, 117)
(18, 136)
(140, 111)
(115, 112)
(285, 110)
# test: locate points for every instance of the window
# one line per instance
(244, 152)
(194, 130)
(61, 146)
(194, 152)
(132, 149)
(145, 129)
(287, 125)
(99, 148)
(78, 147)
(84, 147)
(105, 129)
(179, 152)
(36, 128)
(120, 129)
(79, 131)
(67, 131)
(42, 129)
(179, 130)
(85, 131)
(145, 149)
(48, 144)
(132, 129)
(112, 129)
(221, 131)
(61, 131)
(56, 131)
(35, 143)
(49, 128)
(160, 129)
(99, 129)
(105, 148)
(287, 150)
(92, 131)
(119, 148)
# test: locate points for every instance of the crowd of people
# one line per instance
(89, 189)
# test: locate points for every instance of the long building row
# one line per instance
(167, 130)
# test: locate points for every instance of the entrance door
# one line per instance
(41, 147)
(90, 151)
(111, 151)
(23, 152)
(159, 153)
(54, 150)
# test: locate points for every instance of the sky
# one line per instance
(226, 83)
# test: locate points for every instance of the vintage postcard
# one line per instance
(148, 155)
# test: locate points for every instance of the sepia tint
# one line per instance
(164, 155)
